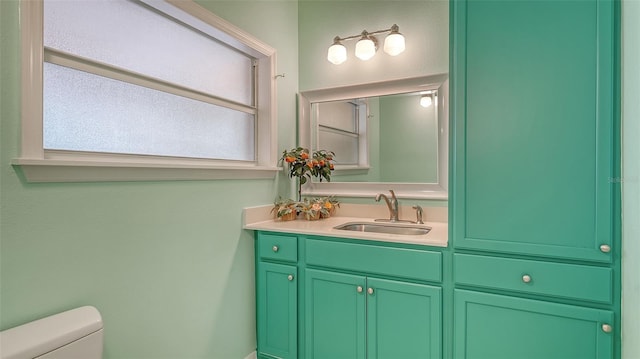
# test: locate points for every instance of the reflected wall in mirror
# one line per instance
(392, 138)
(382, 135)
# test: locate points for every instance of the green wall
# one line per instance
(166, 263)
(631, 179)
(408, 140)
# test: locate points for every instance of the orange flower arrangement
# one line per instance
(286, 210)
(305, 166)
(314, 209)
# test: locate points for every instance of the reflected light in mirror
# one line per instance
(426, 100)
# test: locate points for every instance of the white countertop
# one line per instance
(260, 218)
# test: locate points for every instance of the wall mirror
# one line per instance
(386, 135)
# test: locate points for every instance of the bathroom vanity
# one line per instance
(341, 298)
(327, 292)
(331, 296)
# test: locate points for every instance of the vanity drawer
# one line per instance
(563, 280)
(372, 259)
(278, 247)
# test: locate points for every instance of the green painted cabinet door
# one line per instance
(334, 315)
(501, 327)
(403, 320)
(277, 310)
(350, 316)
(534, 118)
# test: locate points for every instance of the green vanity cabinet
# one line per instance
(277, 296)
(504, 327)
(353, 316)
(327, 297)
(534, 122)
(365, 300)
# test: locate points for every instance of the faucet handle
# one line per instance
(418, 214)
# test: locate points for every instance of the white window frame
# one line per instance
(41, 165)
(362, 133)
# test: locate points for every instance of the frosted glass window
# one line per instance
(129, 35)
(340, 115)
(128, 85)
(339, 129)
(345, 146)
(86, 112)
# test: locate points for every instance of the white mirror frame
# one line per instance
(434, 191)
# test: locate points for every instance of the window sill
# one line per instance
(54, 170)
(351, 170)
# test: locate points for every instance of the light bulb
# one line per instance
(365, 48)
(337, 54)
(394, 44)
(426, 101)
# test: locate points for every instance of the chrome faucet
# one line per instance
(391, 204)
(419, 210)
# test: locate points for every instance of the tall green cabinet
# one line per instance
(535, 200)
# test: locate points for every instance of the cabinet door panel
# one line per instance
(534, 122)
(403, 320)
(334, 315)
(277, 310)
(495, 326)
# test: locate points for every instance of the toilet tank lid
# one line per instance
(44, 335)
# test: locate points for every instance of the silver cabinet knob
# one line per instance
(605, 248)
(290, 277)
(526, 278)
(359, 289)
(606, 328)
(370, 290)
(275, 248)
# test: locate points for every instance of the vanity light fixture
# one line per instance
(367, 45)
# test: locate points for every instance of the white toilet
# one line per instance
(74, 334)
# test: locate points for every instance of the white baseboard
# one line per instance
(253, 355)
